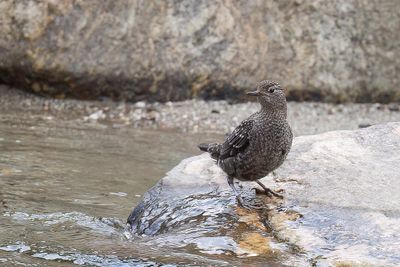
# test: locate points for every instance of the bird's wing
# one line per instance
(237, 141)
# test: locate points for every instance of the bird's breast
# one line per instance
(268, 149)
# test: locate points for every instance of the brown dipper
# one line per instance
(260, 144)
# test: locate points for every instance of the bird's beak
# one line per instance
(253, 93)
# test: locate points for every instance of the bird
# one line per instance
(260, 144)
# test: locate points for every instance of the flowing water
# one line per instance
(67, 188)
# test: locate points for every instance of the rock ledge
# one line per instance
(340, 207)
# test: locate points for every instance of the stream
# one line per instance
(67, 187)
(66, 190)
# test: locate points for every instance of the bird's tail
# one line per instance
(203, 147)
(214, 149)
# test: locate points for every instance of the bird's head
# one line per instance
(270, 95)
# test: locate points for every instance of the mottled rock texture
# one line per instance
(345, 50)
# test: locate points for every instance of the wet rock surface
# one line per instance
(193, 209)
(321, 50)
(340, 208)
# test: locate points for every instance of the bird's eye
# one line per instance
(271, 90)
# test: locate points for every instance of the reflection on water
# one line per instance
(66, 190)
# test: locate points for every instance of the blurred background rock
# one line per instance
(331, 51)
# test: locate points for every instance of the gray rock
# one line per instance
(341, 205)
(321, 50)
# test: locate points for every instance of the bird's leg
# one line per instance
(232, 185)
(268, 191)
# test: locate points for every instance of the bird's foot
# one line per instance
(240, 201)
(248, 206)
(269, 192)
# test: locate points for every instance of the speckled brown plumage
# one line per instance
(260, 143)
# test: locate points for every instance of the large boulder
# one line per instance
(346, 50)
(340, 206)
